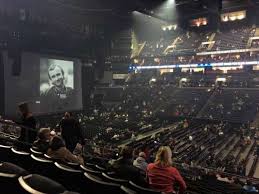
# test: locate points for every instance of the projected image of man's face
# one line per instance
(57, 77)
(57, 92)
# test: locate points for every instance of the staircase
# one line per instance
(199, 115)
(255, 123)
(212, 42)
(171, 46)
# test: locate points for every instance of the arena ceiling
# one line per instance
(183, 7)
(149, 4)
(157, 8)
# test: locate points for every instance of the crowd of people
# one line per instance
(194, 145)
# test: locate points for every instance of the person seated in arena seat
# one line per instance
(57, 150)
(42, 142)
(140, 161)
(123, 166)
(161, 175)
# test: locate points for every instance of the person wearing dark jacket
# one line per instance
(123, 166)
(28, 123)
(70, 131)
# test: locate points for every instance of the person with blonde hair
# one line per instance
(161, 175)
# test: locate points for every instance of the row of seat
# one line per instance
(88, 178)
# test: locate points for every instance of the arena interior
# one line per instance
(129, 96)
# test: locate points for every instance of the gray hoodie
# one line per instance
(140, 163)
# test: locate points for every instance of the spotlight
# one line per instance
(171, 1)
(170, 27)
(164, 28)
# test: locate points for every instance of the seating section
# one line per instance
(110, 94)
(232, 105)
(185, 102)
(233, 39)
(81, 179)
(179, 42)
(191, 41)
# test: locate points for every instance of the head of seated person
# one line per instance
(43, 139)
(123, 166)
(57, 150)
(161, 175)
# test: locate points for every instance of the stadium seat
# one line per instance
(97, 185)
(70, 164)
(5, 152)
(90, 170)
(71, 178)
(41, 164)
(35, 183)
(47, 156)
(98, 167)
(141, 189)
(20, 157)
(127, 190)
(35, 152)
(9, 174)
(112, 179)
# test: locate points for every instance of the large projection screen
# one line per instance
(48, 83)
(56, 85)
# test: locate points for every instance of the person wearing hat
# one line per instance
(140, 161)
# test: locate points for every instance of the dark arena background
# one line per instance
(129, 96)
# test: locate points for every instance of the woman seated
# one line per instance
(42, 142)
(161, 175)
(58, 150)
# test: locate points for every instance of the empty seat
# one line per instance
(127, 190)
(41, 164)
(20, 157)
(71, 178)
(90, 170)
(9, 174)
(113, 179)
(98, 167)
(141, 189)
(35, 183)
(98, 185)
(5, 152)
